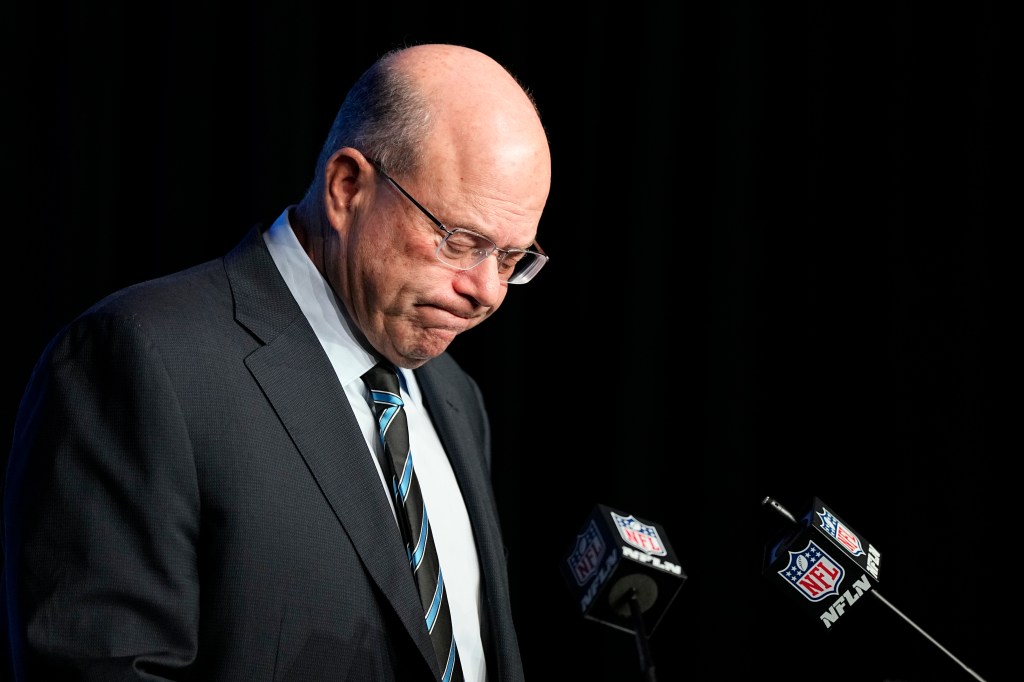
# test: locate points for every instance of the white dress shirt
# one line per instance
(449, 521)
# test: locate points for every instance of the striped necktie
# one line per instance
(382, 380)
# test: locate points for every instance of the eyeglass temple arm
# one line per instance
(430, 215)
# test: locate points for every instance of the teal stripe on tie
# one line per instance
(450, 666)
(435, 604)
(421, 544)
(403, 486)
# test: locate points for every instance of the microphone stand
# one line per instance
(927, 636)
(643, 646)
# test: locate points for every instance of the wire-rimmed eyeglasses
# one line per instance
(464, 249)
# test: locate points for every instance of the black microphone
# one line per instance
(622, 572)
(825, 566)
(617, 560)
(821, 563)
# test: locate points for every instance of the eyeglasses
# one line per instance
(465, 249)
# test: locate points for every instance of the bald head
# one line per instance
(442, 104)
(479, 113)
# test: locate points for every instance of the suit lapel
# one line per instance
(299, 381)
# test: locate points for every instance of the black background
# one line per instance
(777, 234)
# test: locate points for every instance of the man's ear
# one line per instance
(345, 177)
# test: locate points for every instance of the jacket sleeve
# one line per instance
(101, 513)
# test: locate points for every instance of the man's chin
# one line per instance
(429, 343)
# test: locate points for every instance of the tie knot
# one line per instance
(382, 377)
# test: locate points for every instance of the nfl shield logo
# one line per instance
(834, 527)
(813, 573)
(586, 556)
(639, 535)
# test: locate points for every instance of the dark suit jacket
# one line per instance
(190, 497)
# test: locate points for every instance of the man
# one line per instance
(194, 489)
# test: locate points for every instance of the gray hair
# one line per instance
(384, 116)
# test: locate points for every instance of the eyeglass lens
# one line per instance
(465, 250)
